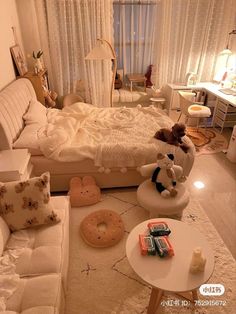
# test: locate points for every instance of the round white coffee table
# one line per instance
(170, 274)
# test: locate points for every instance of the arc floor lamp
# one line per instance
(103, 50)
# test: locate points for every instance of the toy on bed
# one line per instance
(49, 96)
(84, 191)
(164, 174)
(173, 136)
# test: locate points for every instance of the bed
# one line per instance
(107, 143)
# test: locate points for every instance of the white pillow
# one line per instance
(36, 113)
(29, 138)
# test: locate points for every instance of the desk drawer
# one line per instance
(225, 107)
(226, 116)
(222, 123)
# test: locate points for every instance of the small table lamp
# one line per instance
(103, 51)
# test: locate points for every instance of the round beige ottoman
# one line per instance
(150, 199)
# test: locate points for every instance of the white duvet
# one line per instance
(112, 137)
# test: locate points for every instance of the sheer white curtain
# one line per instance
(190, 35)
(68, 31)
(134, 26)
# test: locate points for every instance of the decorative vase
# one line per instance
(38, 66)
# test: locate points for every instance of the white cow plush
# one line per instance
(164, 174)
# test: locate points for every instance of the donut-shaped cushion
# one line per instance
(102, 228)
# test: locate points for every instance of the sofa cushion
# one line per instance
(24, 204)
(4, 234)
(44, 249)
(37, 295)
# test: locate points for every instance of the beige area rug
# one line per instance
(207, 141)
(100, 281)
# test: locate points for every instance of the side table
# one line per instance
(158, 101)
(170, 274)
(136, 78)
(15, 165)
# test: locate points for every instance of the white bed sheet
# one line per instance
(112, 137)
(109, 138)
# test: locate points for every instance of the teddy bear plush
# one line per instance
(173, 136)
(50, 97)
(164, 174)
(84, 191)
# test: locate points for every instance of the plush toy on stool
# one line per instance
(84, 191)
(164, 174)
(163, 195)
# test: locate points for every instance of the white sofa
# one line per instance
(42, 264)
(124, 97)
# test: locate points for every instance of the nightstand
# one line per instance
(15, 165)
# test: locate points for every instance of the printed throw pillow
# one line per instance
(24, 204)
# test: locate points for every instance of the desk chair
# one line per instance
(192, 109)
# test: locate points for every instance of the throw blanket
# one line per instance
(112, 137)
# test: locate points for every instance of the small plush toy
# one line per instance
(164, 174)
(84, 191)
(173, 136)
(50, 97)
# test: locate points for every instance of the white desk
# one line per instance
(224, 106)
(208, 87)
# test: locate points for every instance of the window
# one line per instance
(134, 26)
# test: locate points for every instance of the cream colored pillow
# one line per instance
(36, 113)
(24, 204)
(29, 138)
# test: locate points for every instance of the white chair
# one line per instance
(192, 109)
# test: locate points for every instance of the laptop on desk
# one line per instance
(228, 91)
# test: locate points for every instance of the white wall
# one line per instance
(8, 18)
(29, 28)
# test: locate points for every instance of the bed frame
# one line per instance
(14, 102)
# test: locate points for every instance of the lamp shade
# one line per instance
(103, 50)
(226, 52)
(100, 52)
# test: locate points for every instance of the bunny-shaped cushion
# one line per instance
(84, 191)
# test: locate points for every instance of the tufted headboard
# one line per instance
(14, 102)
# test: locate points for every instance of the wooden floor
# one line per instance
(218, 197)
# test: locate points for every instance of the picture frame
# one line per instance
(19, 60)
